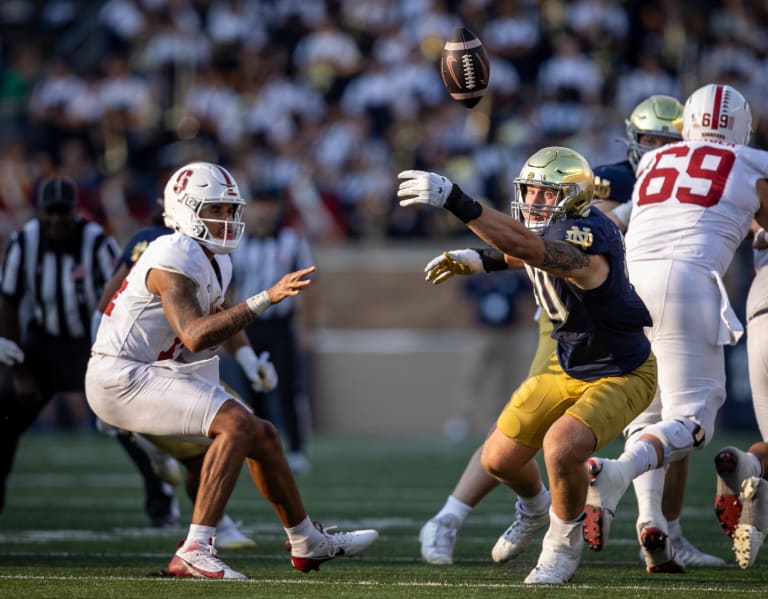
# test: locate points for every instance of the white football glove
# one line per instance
(10, 353)
(260, 371)
(455, 262)
(421, 187)
(267, 372)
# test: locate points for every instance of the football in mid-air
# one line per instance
(465, 67)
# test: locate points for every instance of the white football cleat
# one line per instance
(688, 554)
(438, 538)
(608, 481)
(753, 524)
(228, 535)
(199, 560)
(333, 545)
(560, 554)
(733, 466)
(519, 535)
(657, 550)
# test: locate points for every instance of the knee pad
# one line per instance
(678, 437)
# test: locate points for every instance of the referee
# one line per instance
(52, 276)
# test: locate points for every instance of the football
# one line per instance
(465, 67)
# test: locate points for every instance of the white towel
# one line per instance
(731, 329)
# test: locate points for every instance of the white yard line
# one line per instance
(729, 590)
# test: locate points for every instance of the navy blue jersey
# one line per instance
(620, 176)
(599, 332)
(139, 242)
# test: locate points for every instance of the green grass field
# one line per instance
(73, 527)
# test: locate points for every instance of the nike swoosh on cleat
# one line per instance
(217, 574)
(192, 570)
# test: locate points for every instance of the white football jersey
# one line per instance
(134, 326)
(694, 201)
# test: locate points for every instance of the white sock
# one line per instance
(455, 508)
(538, 504)
(200, 534)
(563, 532)
(642, 455)
(558, 523)
(303, 536)
(649, 488)
(675, 530)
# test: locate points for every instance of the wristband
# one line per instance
(492, 259)
(462, 206)
(259, 302)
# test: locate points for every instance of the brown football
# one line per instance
(465, 67)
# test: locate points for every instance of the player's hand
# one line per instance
(10, 353)
(602, 188)
(264, 377)
(267, 374)
(421, 187)
(455, 262)
(260, 371)
(291, 284)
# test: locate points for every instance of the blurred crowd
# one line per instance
(329, 99)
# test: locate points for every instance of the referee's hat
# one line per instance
(57, 191)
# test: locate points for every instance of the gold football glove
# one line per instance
(602, 188)
(454, 262)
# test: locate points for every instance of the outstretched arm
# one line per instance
(503, 231)
(558, 258)
(198, 331)
(468, 261)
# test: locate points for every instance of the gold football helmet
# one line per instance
(567, 173)
(657, 115)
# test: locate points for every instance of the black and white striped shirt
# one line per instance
(259, 263)
(59, 284)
